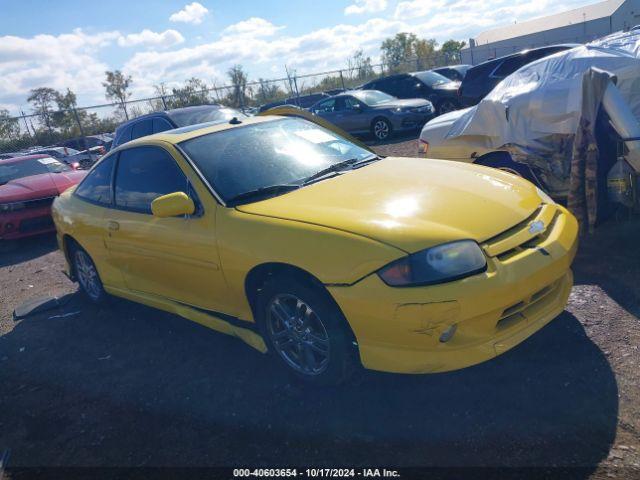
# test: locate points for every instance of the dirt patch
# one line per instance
(126, 385)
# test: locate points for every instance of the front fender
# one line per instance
(334, 257)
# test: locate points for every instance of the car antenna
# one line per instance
(235, 121)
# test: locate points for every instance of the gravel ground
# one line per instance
(126, 385)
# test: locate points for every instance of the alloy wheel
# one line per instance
(381, 129)
(87, 275)
(298, 334)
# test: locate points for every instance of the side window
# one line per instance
(141, 129)
(161, 125)
(327, 106)
(351, 103)
(124, 136)
(509, 66)
(96, 187)
(144, 174)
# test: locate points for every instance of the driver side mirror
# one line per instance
(173, 205)
(358, 107)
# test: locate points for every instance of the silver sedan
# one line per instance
(375, 112)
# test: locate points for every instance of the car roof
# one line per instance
(167, 113)
(567, 46)
(5, 161)
(179, 135)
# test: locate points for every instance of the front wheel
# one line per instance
(306, 332)
(381, 129)
(87, 275)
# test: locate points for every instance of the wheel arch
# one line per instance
(260, 274)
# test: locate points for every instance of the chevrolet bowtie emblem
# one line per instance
(536, 227)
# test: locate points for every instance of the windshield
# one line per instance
(193, 116)
(431, 79)
(27, 168)
(280, 152)
(373, 97)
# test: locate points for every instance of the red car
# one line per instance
(28, 186)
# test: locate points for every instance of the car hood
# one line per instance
(410, 203)
(409, 102)
(39, 186)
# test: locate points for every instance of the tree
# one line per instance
(360, 67)
(194, 92)
(269, 92)
(9, 126)
(42, 98)
(116, 88)
(64, 118)
(238, 77)
(397, 49)
(406, 51)
(424, 52)
(451, 50)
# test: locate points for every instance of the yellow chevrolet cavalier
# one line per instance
(302, 242)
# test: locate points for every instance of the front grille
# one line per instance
(520, 237)
(35, 224)
(518, 311)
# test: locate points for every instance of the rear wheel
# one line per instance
(381, 128)
(87, 275)
(306, 331)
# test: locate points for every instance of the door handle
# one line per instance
(113, 226)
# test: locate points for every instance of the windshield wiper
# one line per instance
(330, 169)
(365, 161)
(261, 192)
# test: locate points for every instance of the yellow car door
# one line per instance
(176, 257)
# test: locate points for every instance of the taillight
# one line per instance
(423, 146)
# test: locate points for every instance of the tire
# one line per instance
(381, 129)
(86, 273)
(502, 161)
(306, 331)
(446, 106)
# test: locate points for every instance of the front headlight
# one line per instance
(443, 263)
(544, 197)
(11, 207)
(399, 110)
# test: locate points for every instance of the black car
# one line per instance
(455, 73)
(169, 119)
(482, 78)
(438, 89)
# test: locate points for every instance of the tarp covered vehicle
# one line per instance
(555, 121)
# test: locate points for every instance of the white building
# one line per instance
(579, 25)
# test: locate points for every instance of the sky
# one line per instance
(71, 43)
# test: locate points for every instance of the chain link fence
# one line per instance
(76, 126)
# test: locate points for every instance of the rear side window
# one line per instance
(96, 187)
(509, 66)
(141, 129)
(144, 174)
(161, 125)
(479, 71)
(123, 136)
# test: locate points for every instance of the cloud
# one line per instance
(254, 27)
(147, 38)
(63, 61)
(418, 8)
(193, 13)
(366, 6)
